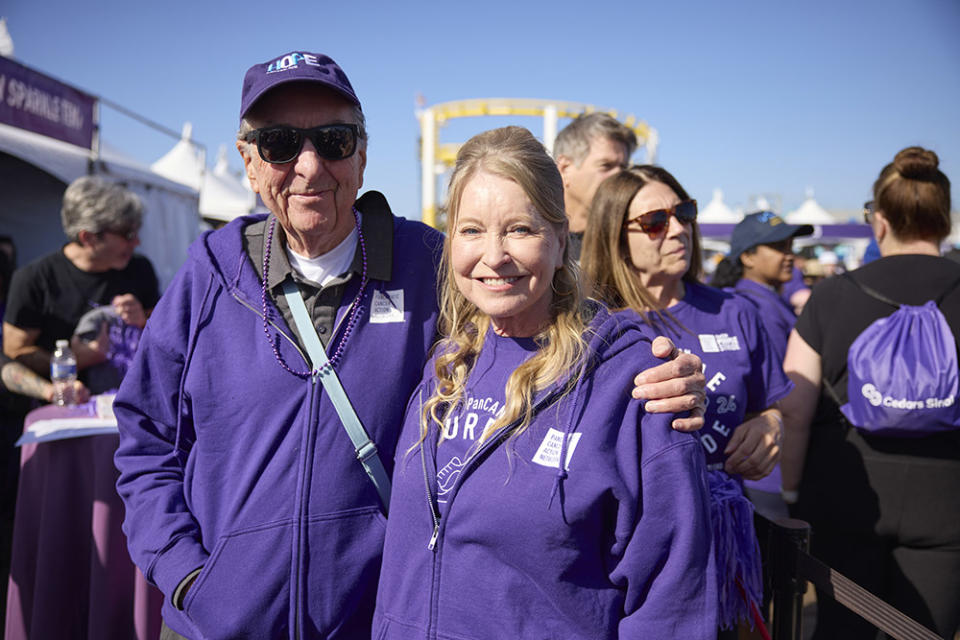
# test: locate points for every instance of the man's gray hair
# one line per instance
(575, 139)
(94, 204)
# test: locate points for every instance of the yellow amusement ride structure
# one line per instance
(437, 158)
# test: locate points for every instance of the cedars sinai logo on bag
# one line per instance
(874, 397)
(902, 377)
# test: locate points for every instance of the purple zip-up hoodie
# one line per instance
(231, 463)
(615, 545)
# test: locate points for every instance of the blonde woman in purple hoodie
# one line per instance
(533, 497)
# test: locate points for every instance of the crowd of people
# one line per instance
(339, 423)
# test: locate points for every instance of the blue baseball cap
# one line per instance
(296, 66)
(763, 227)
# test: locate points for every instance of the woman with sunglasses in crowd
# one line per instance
(884, 508)
(532, 496)
(642, 251)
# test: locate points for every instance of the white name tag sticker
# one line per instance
(720, 342)
(548, 454)
(386, 306)
(708, 343)
(728, 343)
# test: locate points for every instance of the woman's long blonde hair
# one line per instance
(607, 266)
(514, 154)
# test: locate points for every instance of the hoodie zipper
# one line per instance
(339, 323)
(307, 455)
(307, 450)
(273, 324)
(288, 338)
(301, 526)
(481, 453)
(435, 544)
(431, 502)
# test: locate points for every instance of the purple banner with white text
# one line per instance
(35, 102)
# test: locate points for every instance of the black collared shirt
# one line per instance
(323, 301)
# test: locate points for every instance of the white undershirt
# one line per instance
(327, 266)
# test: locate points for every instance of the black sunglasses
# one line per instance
(654, 222)
(868, 209)
(281, 144)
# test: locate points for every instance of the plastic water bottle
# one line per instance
(63, 373)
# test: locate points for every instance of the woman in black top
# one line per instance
(884, 510)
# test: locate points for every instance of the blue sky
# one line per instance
(752, 97)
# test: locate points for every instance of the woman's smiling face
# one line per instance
(504, 255)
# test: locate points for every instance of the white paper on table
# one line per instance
(62, 428)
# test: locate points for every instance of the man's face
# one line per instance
(605, 158)
(312, 197)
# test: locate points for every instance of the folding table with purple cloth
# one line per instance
(71, 575)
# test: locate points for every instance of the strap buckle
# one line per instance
(366, 451)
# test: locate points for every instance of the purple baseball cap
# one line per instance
(296, 66)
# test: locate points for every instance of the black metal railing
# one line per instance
(788, 566)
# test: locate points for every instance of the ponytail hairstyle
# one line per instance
(729, 271)
(914, 196)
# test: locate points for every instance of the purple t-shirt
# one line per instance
(483, 404)
(744, 374)
(793, 285)
(775, 314)
(778, 319)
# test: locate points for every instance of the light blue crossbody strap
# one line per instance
(365, 449)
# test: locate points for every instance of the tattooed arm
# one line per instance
(20, 379)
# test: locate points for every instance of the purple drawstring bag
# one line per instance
(902, 372)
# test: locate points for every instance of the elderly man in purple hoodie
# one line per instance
(284, 351)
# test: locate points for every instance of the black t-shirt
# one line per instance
(838, 311)
(51, 294)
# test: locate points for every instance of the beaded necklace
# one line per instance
(351, 322)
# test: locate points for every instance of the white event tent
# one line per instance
(717, 211)
(50, 136)
(222, 196)
(810, 212)
(37, 169)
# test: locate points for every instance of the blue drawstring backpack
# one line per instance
(902, 371)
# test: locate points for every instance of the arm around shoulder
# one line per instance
(674, 386)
